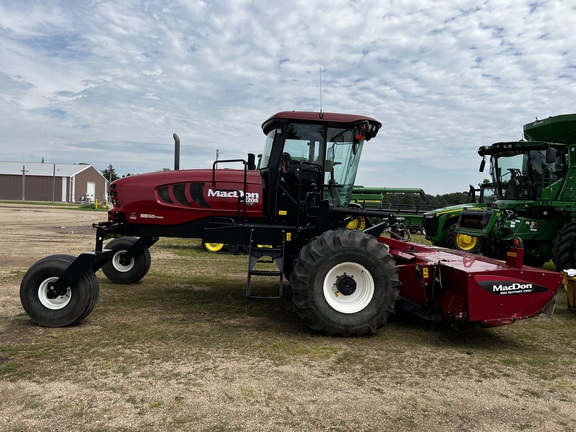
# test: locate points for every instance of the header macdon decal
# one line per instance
(502, 285)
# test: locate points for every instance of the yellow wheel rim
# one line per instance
(213, 247)
(358, 223)
(466, 242)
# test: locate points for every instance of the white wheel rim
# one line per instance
(356, 301)
(53, 303)
(118, 266)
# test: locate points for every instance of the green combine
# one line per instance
(535, 186)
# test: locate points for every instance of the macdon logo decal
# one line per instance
(249, 197)
(508, 286)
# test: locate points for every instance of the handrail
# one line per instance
(241, 193)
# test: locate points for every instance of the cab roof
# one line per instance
(331, 119)
(501, 147)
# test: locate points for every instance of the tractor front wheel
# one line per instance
(345, 282)
(564, 247)
(67, 309)
(357, 223)
(463, 242)
(122, 272)
(213, 247)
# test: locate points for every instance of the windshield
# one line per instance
(342, 161)
(521, 175)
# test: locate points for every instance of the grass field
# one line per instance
(185, 350)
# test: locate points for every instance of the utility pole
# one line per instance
(53, 181)
(217, 153)
(24, 171)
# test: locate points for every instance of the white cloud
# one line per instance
(109, 82)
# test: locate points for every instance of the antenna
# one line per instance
(320, 89)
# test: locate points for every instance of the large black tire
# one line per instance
(462, 242)
(564, 247)
(68, 309)
(345, 282)
(135, 270)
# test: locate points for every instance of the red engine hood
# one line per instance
(176, 197)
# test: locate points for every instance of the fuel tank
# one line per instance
(179, 197)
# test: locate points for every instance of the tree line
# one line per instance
(390, 200)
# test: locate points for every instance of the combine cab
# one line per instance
(343, 282)
(534, 182)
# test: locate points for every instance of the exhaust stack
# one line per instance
(176, 152)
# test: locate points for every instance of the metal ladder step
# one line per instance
(265, 273)
(263, 255)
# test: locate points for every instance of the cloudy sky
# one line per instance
(109, 82)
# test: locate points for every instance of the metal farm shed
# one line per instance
(34, 181)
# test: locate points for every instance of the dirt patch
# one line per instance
(30, 232)
(183, 350)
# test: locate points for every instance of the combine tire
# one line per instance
(463, 242)
(128, 273)
(564, 247)
(68, 309)
(345, 282)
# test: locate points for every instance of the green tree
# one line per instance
(110, 174)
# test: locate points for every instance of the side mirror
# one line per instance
(360, 135)
(550, 155)
(360, 131)
(472, 194)
(482, 165)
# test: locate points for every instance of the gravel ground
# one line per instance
(420, 387)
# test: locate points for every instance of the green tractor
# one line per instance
(440, 224)
(535, 186)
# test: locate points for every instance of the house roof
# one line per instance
(42, 169)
